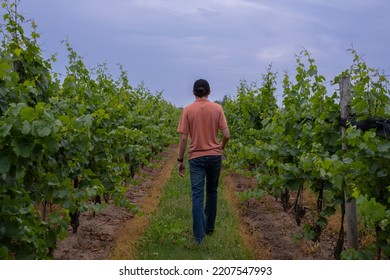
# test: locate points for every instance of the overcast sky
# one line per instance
(170, 44)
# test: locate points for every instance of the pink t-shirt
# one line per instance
(202, 120)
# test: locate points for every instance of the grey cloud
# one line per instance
(167, 44)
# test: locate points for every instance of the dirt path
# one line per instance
(130, 233)
(107, 235)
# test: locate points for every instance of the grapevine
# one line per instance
(298, 147)
(66, 146)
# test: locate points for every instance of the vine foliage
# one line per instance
(297, 147)
(66, 146)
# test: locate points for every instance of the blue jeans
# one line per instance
(207, 168)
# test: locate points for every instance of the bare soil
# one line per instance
(270, 230)
(264, 225)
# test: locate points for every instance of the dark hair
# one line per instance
(201, 88)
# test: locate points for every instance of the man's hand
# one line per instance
(181, 167)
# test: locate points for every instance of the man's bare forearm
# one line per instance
(224, 142)
(182, 145)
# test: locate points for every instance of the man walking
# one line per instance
(202, 120)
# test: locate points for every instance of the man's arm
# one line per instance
(225, 137)
(182, 149)
(182, 145)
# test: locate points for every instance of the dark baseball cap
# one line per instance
(201, 85)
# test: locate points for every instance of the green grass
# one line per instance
(169, 234)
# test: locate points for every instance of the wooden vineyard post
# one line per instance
(350, 205)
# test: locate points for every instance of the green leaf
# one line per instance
(361, 107)
(256, 194)
(61, 193)
(97, 208)
(5, 129)
(44, 131)
(329, 211)
(64, 119)
(358, 165)
(327, 163)
(373, 211)
(4, 69)
(5, 163)
(4, 253)
(22, 147)
(28, 114)
(26, 127)
(12, 229)
(86, 120)
(51, 239)
(384, 147)
(338, 181)
(322, 222)
(18, 51)
(41, 128)
(348, 161)
(25, 210)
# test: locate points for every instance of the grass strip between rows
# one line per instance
(169, 233)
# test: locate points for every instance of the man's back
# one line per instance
(202, 120)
